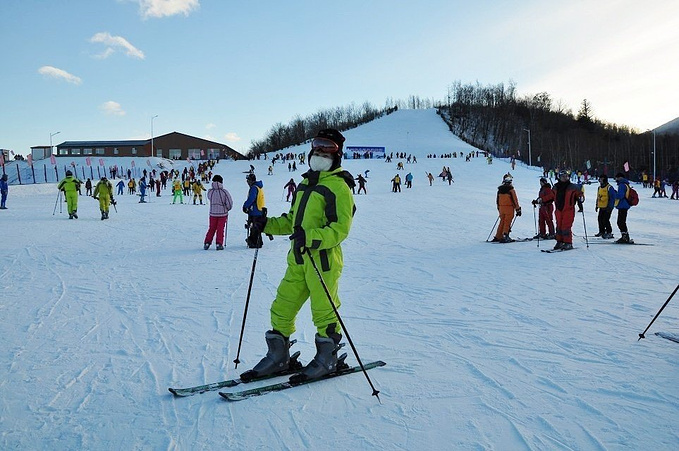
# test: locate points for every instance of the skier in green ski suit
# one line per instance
(70, 186)
(319, 219)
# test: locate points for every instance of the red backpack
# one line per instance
(632, 196)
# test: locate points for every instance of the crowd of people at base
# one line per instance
(561, 201)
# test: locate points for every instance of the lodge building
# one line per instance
(175, 146)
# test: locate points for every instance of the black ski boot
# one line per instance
(325, 361)
(277, 358)
(624, 239)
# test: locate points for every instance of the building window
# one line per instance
(100, 151)
(87, 151)
(175, 154)
(159, 152)
(115, 151)
(194, 154)
(75, 151)
(134, 151)
(63, 151)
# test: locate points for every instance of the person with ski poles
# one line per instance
(605, 202)
(319, 219)
(291, 187)
(255, 207)
(545, 200)
(104, 193)
(566, 196)
(70, 186)
(507, 205)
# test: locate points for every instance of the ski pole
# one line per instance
(641, 335)
(584, 225)
(491, 230)
(113, 202)
(55, 203)
(247, 303)
(536, 225)
(339, 318)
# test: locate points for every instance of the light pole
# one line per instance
(52, 134)
(530, 155)
(654, 156)
(152, 118)
(653, 131)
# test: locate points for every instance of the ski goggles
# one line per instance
(324, 145)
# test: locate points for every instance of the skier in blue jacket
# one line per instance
(623, 206)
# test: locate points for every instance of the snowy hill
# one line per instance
(671, 127)
(487, 346)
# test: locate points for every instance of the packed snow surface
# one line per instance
(488, 346)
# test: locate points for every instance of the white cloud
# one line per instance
(114, 43)
(164, 8)
(210, 126)
(53, 72)
(232, 137)
(112, 108)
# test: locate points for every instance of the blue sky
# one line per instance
(228, 71)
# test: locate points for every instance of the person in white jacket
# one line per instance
(220, 204)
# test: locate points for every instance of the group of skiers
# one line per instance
(70, 188)
(562, 200)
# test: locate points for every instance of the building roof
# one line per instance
(141, 142)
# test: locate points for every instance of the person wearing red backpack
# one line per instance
(622, 205)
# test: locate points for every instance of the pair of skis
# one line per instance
(342, 370)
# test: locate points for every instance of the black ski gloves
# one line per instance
(299, 238)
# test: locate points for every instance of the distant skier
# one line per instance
(409, 180)
(177, 191)
(70, 187)
(507, 204)
(220, 205)
(198, 191)
(142, 190)
(396, 184)
(545, 200)
(623, 207)
(4, 189)
(121, 186)
(291, 186)
(605, 202)
(255, 207)
(566, 196)
(104, 193)
(361, 184)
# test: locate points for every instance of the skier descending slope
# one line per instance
(319, 220)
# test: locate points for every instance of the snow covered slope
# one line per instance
(487, 346)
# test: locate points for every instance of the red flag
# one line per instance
(202, 152)
(29, 159)
(132, 163)
(2, 159)
(626, 166)
(53, 160)
(101, 161)
(88, 160)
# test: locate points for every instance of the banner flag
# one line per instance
(626, 166)
(53, 160)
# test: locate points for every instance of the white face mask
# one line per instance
(317, 163)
